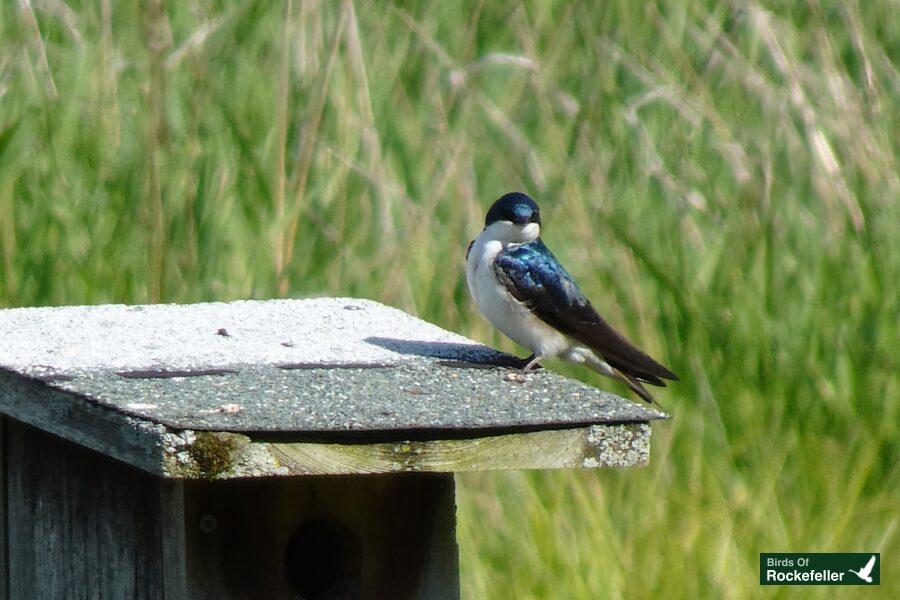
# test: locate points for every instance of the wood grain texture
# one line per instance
(80, 525)
(615, 445)
(173, 539)
(228, 455)
(83, 526)
(4, 563)
(81, 421)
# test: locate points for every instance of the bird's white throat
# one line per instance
(507, 232)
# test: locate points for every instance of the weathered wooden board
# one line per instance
(607, 446)
(225, 455)
(4, 546)
(79, 525)
(79, 420)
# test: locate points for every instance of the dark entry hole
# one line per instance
(323, 561)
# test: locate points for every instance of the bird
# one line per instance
(866, 572)
(521, 288)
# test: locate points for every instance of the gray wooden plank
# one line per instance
(4, 517)
(173, 540)
(607, 446)
(440, 577)
(80, 526)
(225, 455)
(82, 421)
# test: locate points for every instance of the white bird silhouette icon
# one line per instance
(865, 572)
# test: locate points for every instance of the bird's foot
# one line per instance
(531, 363)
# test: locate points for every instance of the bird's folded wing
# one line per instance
(534, 277)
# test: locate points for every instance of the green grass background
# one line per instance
(721, 177)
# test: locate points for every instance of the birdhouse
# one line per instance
(279, 449)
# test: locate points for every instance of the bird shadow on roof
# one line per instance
(453, 354)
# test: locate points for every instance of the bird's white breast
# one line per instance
(504, 312)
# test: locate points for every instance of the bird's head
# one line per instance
(514, 219)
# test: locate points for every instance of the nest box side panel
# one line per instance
(81, 525)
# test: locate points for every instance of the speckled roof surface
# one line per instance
(319, 366)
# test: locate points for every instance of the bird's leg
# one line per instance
(532, 363)
(526, 360)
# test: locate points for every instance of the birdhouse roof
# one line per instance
(142, 382)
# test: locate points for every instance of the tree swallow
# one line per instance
(520, 287)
